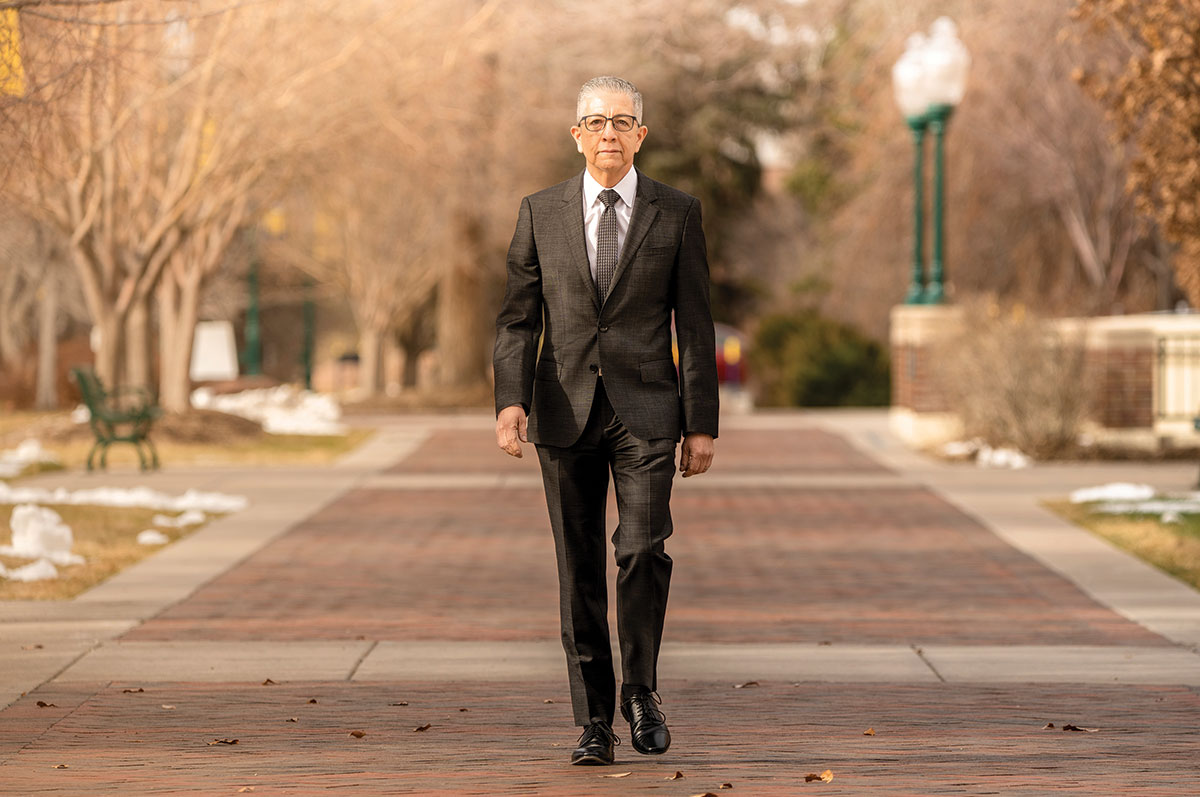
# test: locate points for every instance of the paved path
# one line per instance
(827, 581)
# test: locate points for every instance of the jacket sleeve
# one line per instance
(694, 330)
(519, 324)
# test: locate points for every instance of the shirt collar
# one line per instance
(627, 187)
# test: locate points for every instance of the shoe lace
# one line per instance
(598, 729)
(648, 703)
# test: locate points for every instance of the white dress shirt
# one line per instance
(593, 208)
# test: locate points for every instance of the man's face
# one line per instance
(609, 151)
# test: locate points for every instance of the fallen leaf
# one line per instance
(168, 707)
(222, 741)
(358, 734)
(825, 776)
(44, 704)
(269, 682)
(464, 709)
(676, 776)
(401, 703)
(704, 794)
(824, 642)
(292, 719)
(1070, 727)
(61, 766)
(725, 786)
(245, 789)
(746, 685)
(132, 691)
(547, 700)
(38, 646)
(555, 744)
(869, 732)
(312, 700)
(424, 727)
(1049, 726)
(618, 775)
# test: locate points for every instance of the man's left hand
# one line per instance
(696, 454)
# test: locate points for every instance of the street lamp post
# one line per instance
(930, 79)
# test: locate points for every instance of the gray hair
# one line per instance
(613, 84)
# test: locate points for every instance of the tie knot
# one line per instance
(609, 197)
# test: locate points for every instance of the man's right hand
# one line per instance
(512, 429)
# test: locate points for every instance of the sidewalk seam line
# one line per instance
(361, 659)
(56, 723)
(921, 655)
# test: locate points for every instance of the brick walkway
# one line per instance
(883, 564)
(762, 565)
(763, 741)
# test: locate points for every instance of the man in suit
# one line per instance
(597, 267)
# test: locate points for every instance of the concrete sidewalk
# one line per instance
(827, 581)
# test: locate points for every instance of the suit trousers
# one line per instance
(576, 482)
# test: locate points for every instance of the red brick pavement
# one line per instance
(929, 739)
(738, 451)
(764, 565)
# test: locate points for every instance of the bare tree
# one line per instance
(1150, 91)
(36, 298)
(148, 162)
(1036, 206)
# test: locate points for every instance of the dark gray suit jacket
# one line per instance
(663, 269)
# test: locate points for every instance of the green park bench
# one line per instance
(123, 415)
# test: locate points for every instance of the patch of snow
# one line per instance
(112, 496)
(41, 570)
(152, 537)
(188, 518)
(280, 410)
(1115, 491)
(1171, 517)
(961, 449)
(989, 457)
(1158, 506)
(15, 460)
(81, 414)
(39, 533)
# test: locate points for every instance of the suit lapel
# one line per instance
(644, 214)
(572, 220)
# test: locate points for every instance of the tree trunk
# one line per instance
(109, 340)
(370, 349)
(166, 296)
(411, 358)
(137, 344)
(10, 346)
(461, 334)
(47, 371)
(179, 309)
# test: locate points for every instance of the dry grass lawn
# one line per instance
(198, 438)
(106, 537)
(1172, 547)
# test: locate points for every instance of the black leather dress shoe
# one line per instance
(647, 725)
(595, 745)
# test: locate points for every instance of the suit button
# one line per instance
(603, 328)
(593, 368)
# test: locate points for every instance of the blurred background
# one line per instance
(332, 185)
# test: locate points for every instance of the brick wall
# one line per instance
(1123, 377)
(915, 380)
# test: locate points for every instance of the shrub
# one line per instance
(803, 359)
(1016, 381)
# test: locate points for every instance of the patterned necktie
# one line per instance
(606, 243)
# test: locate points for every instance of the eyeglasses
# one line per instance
(595, 123)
